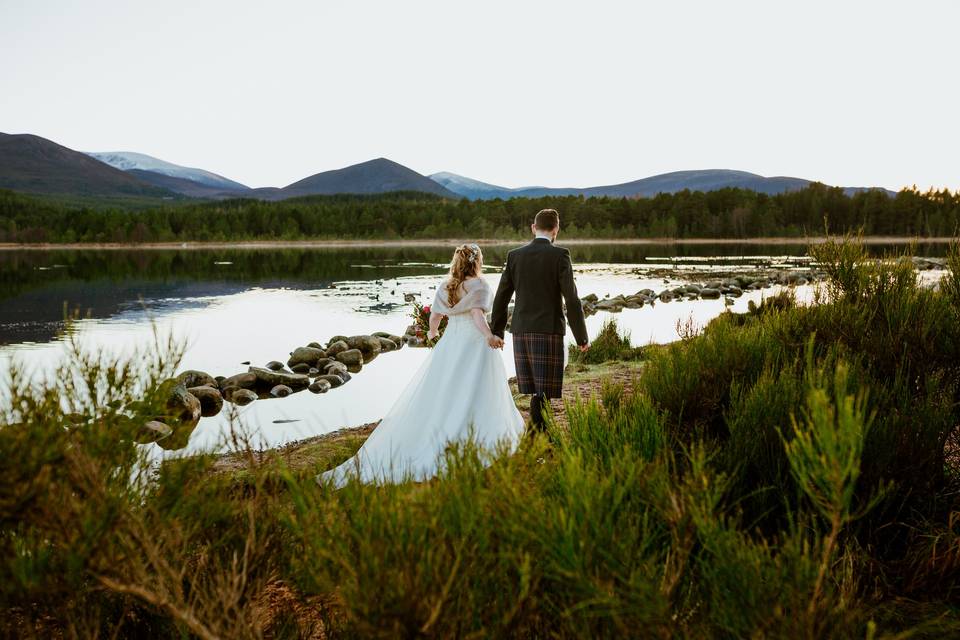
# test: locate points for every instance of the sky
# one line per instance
(515, 93)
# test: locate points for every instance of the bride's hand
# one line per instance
(495, 342)
(431, 335)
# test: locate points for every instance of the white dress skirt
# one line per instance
(460, 392)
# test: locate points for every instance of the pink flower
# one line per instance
(426, 309)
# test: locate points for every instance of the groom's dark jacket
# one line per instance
(541, 275)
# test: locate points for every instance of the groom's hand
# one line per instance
(495, 342)
(584, 347)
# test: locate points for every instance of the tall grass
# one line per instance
(785, 474)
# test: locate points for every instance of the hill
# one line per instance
(37, 165)
(130, 161)
(374, 176)
(697, 180)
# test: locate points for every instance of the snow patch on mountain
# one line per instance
(129, 160)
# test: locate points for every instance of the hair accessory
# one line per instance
(474, 251)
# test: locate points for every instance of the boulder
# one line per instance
(333, 380)
(351, 357)
(386, 344)
(336, 339)
(354, 368)
(320, 386)
(335, 367)
(323, 362)
(242, 397)
(270, 379)
(366, 344)
(315, 345)
(220, 380)
(307, 355)
(193, 378)
(301, 367)
(274, 365)
(241, 380)
(281, 391)
(590, 297)
(180, 404)
(313, 372)
(210, 400)
(152, 431)
(709, 293)
(336, 348)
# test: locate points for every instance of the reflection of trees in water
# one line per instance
(24, 270)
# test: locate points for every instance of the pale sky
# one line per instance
(515, 93)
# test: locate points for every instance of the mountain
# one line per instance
(37, 165)
(187, 187)
(701, 180)
(374, 176)
(130, 161)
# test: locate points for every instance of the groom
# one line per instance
(540, 274)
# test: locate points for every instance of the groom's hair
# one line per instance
(547, 219)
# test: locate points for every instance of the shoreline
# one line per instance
(443, 242)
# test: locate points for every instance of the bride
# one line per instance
(460, 391)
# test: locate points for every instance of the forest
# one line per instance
(726, 213)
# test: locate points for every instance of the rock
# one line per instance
(334, 380)
(192, 378)
(335, 368)
(220, 380)
(592, 298)
(397, 340)
(728, 302)
(709, 293)
(274, 365)
(350, 357)
(306, 355)
(342, 339)
(320, 386)
(315, 345)
(241, 380)
(336, 348)
(354, 368)
(713, 284)
(301, 367)
(364, 343)
(323, 362)
(313, 372)
(387, 344)
(281, 391)
(242, 397)
(211, 401)
(152, 431)
(181, 405)
(270, 379)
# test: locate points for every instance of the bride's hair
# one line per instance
(467, 263)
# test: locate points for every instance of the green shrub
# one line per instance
(610, 344)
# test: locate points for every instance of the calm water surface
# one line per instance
(233, 306)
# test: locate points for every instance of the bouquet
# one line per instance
(421, 324)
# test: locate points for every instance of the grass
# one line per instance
(787, 473)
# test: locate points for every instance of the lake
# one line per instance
(241, 305)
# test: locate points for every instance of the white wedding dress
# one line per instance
(460, 392)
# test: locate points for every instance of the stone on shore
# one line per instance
(350, 357)
(242, 397)
(306, 355)
(241, 380)
(211, 401)
(152, 431)
(274, 365)
(301, 367)
(281, 391)
(337, 347)
(270, 379)
(331, 379)
(181, 405)
(193, 378)
(320, 386)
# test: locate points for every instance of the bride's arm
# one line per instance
(435, 319)
(480, 320)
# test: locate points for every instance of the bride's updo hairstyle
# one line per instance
(467, 263)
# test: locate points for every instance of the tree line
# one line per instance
(725, 213)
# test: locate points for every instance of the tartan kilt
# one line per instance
(539, 360)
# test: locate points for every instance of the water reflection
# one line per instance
(236, 306)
